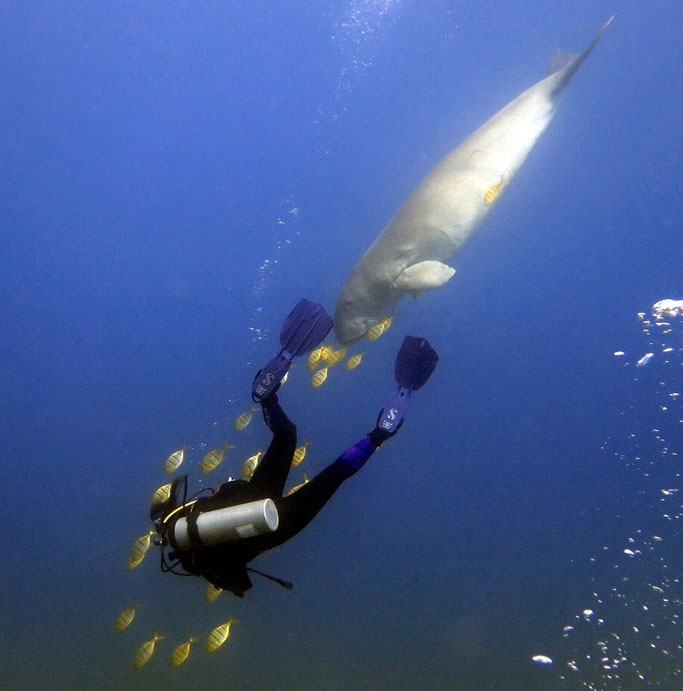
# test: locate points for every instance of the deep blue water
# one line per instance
(175, 176)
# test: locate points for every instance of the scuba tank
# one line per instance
(195, 530)
(226, 525)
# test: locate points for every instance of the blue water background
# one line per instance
(174, 177)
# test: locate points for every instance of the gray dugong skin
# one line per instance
(447, 206)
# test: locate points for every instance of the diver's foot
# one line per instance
(391, 417)
(269, 400)
(378, 436)
(304, 329)
(269, 379)
(415, 362)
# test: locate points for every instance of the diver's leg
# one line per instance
(271, 473)
(415, 363)
(304, 329)
(297, 510)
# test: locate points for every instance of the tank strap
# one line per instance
(196, 544)
(279, 581)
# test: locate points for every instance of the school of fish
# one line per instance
(322, 360)
(143, 654)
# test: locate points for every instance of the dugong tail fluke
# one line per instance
(569, 63)
(410, 254)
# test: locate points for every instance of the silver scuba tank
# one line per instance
(232, 523)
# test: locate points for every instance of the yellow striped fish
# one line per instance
(243, 419)
(387, 322)
(354, 361)
(300, 453)
(219, 635)
(125, 619)
(174, 461)
(181, 652)
(318, 378)
(214, 458)
(162, 494)
(325, 353)
(139, 549)
(380, 327)
(145, 652)
(336, 356)
(249, 466)
(314, 358)
(211, 592)
(299, 486)
(493, 191)
(376, 331)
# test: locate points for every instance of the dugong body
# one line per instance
(447, 206)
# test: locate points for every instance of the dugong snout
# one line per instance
(351, 320)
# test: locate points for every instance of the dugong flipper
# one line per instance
(410, 255)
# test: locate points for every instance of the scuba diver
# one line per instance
(216, 536)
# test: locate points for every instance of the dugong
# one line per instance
(410, 254)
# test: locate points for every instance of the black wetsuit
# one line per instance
(225, 566)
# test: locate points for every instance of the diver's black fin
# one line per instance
(415, 362)
(304, 329)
